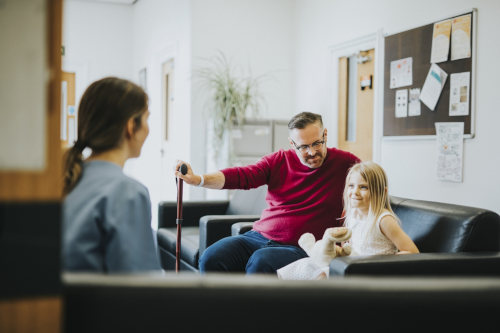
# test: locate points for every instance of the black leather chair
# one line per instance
(204, 223)
(452, 239)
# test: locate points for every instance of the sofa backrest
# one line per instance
(248, 202)
(442, 227)
(221, 302)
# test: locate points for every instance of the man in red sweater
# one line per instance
(305, 185)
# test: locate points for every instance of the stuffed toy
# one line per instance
(324, 250)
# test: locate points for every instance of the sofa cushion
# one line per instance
(167, 239)
(247, 202)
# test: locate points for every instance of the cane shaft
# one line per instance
(179, 225)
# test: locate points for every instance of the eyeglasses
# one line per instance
(313, 146)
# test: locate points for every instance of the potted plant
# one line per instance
(232, 98)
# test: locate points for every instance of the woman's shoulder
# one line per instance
(111, 179)
(126, 183)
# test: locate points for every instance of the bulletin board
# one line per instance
(417, 44)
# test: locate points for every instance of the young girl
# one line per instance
(368, 214)
(375, 228)
(107, 215)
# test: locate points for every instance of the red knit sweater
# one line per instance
(300, 199)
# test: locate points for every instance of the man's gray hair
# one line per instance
(303, 119)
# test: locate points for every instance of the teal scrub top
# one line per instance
(107, 223)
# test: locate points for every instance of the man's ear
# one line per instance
(326, 133)
(291, 143)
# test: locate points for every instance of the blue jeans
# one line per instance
(250, 252)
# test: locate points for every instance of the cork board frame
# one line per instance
(417, 43)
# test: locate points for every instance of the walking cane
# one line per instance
(178, 221)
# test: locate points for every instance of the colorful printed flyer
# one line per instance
(460, 37)
(441, 41)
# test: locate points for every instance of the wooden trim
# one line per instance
(45, 185)
(342, 100)
(41, 315)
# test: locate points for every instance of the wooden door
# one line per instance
(355, 108)
(31, 306)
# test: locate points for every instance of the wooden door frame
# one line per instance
(348, 48)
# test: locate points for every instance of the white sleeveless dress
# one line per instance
(368, 239)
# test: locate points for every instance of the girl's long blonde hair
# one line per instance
(376, 178)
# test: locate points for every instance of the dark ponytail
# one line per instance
(73, 166)
(104, 110)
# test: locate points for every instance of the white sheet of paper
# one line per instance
(440, 41)
(414, 102)
(459, 94)
(71, 131)
(460, 37)
(401, 103)
(450, 138)
(433, 85)
(401, 73)
(64, 101)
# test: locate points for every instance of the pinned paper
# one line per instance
(460, 37)
(401, 73)
(433, 85)
(459, 94)
(414, 102)
(450, 151)
(440, 41)
(401, 103)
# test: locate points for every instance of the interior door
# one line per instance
(167, 111)
(356, 83)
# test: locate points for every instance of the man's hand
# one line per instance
(214, 180)
(190, 178)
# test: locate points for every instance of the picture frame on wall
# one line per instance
(143, 76)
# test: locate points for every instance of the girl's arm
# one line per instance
(392, 230)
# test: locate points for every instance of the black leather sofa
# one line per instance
(452, 239)
(238, 303)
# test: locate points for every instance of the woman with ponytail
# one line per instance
(106, 214)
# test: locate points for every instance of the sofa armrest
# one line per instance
(215, 227)
(192, 211)
(239, 228)
(462, 263)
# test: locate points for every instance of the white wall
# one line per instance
(253, 34)
(161, 32)
(97, 41)
(109, 39)
(104, 39)
(410, 164)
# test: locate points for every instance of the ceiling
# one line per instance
(120, 2)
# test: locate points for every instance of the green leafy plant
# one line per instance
(232, 97)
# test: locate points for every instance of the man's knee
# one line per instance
(259, 262)
(209, 262)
